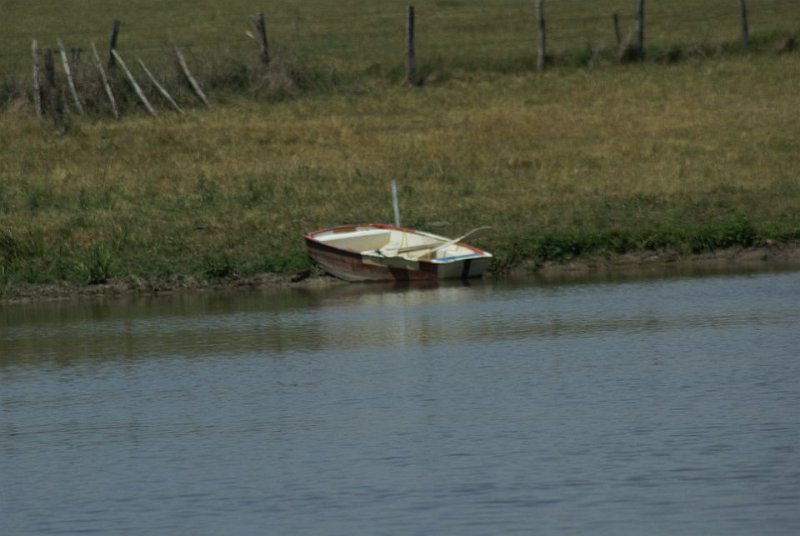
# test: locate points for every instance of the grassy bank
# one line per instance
(690, 157)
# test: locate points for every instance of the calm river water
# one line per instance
(668, 406)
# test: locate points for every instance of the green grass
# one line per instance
(692, 156)
(362, 41)
(320, 45)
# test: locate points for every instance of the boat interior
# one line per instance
(383, 241)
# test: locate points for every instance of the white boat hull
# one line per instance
(379, 252)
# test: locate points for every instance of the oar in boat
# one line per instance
(393, 251)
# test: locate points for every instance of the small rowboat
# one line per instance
(379, 252)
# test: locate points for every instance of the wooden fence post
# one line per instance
(54, 103)
(37, 92)
(639, 29)
(618, 35)
(189, 77)
(160, 88)
(107, 86)
(135, 85)
(261, 36)
(541, 39)
(112, 45)
(745, 29)
(411, 59)
(70, 81)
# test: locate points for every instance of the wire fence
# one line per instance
(364, 33)
(317, 45)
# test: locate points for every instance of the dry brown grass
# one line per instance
(622, 150)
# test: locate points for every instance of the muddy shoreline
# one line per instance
(776, 257)
(782, 257)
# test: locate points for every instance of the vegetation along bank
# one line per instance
(578, 161)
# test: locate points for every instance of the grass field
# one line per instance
(694, 156)
(358, 39)
(321, 45)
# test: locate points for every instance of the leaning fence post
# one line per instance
(189, 77)
(618, 35)
(37, 92)
(160, 88)
(411, 59)
(261, 36)
(639, 29)
(135, 85)
(70, 82)
(112, 45)
(745, 29)
(55, 106)
(541, 40)
(109, 93)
